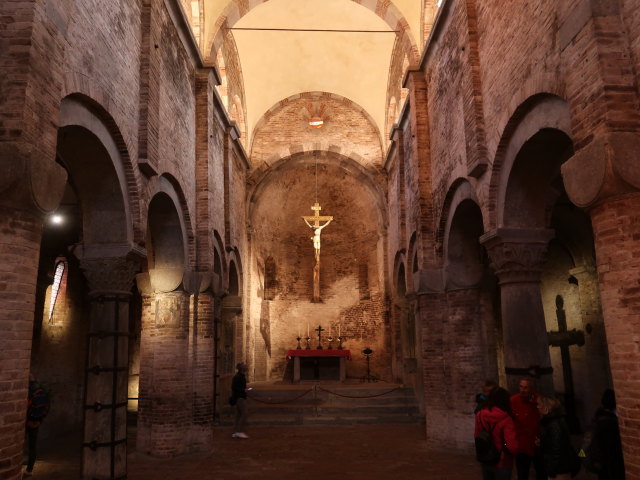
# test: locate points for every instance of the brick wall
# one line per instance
(284, 130)
(348, 243)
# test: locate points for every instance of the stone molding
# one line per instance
(517, 254)
(607, 167)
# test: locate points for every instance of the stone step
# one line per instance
(328, 404)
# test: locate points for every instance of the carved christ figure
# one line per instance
(315, 222)
(316, 237)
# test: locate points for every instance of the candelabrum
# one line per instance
(298, 338)
(308, 339)
(330, 340)
(340, 339)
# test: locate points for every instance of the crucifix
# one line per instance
(564, 338)
(315, 222)
(319, 330)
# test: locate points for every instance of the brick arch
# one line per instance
(460, 196)
(170, 186)
(385, 9)
(399, 261)
(264, 149)
(260, 177)
(78, 88)
(540, 111)
(459, 190)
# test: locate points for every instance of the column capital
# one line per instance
(109, 275)
(517, 254)
(606, 168)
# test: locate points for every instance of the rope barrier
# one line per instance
(285, 401)
(365, 396)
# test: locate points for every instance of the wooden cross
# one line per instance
(319, 330)
(564, 338)
(315, 222)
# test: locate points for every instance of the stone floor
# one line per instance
(348, 452)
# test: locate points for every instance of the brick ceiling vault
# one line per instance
(276, 64)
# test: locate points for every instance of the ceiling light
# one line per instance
(316, 122)
(56, 219)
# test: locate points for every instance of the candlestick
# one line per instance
(298, 338)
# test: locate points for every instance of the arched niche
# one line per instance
(166, 246)
(542, 116)
(463, 252)
(98, 173)
(534, 182)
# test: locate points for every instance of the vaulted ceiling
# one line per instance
(289, 47)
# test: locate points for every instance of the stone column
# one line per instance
(104, 453)
(202, 337)
(29, 186)
(165, 407)
(517, 256)
(604, 179)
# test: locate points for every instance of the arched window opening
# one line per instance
(59, 285)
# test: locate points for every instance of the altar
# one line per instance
(325, 364)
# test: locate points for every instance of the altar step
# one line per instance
(327, 403)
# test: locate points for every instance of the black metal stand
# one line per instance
(368, 377)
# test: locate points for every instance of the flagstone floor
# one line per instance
(345, 452)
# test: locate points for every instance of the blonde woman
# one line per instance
(560, 459)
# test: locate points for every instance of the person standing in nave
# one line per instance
(481, 398)
(239, 394)
(495, 417)
(524, 408)
(606, 447)
(560, 459)
(37, 409)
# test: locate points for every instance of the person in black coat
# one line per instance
(606, 448)
(561, 461)
(239, 399)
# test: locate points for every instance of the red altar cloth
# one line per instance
(303, 352)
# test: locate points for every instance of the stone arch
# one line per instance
(168, 184)
(385, 9)
(399, 279)
(260, 178)
(80, 110)
(303, 139)
(102, 185)
(463, 255)
(219, 266)
(541, 111)
(235, 274)
(166, 243)
(169, 238)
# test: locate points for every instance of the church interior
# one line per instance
(450, 185)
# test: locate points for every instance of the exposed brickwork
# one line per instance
(347, 243)
(19, 242)
(284, 130)
(616, 227)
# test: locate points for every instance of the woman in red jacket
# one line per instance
(495, 417)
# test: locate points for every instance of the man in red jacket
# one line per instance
(524, 408)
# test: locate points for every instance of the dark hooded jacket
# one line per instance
(558, 454)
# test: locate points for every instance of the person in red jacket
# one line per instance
(495, 416)
(524, 408)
